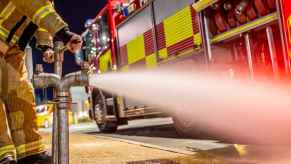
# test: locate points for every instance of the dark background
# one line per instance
(75, 13)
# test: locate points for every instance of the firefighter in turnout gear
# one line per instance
(20, 20)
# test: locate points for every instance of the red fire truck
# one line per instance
(238, 38)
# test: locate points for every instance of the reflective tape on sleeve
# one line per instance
(7, 149)
(42, 13)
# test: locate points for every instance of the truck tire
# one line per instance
(100, 111)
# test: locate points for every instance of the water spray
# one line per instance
(62, 85)
(248, 112)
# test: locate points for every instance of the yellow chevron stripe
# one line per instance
(178, 27)
(136, 50)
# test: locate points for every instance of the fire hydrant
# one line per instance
(61, 85)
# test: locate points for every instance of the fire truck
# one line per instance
(237, 38)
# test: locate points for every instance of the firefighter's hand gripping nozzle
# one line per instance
(62, 85)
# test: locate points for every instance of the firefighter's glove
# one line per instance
(48, 56)
(75, 43)
(72, 41)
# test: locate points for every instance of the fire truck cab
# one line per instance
(247, 39)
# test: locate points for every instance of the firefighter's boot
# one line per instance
(42, 158)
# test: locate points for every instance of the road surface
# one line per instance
(156, 142)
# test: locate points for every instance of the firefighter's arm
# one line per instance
(43, 14)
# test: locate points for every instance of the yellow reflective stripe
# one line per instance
(42, 13)
(246, 27)
(4, 33)
(21, 149)
(202, 4)
(7, 149)
(42, 30)
(8, 10)
(14, 39)
(4, 15)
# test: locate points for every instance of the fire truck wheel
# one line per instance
(100, 113)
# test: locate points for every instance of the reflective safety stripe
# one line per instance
(33, 146)
(4, 15)
(42, 30)
(202, 4)
(6, 12)
(7, 149)
(4, 33)
(136, 50)
(42, 13)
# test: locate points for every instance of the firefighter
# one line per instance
(20, 141)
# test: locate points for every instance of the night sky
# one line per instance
(75, 13)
